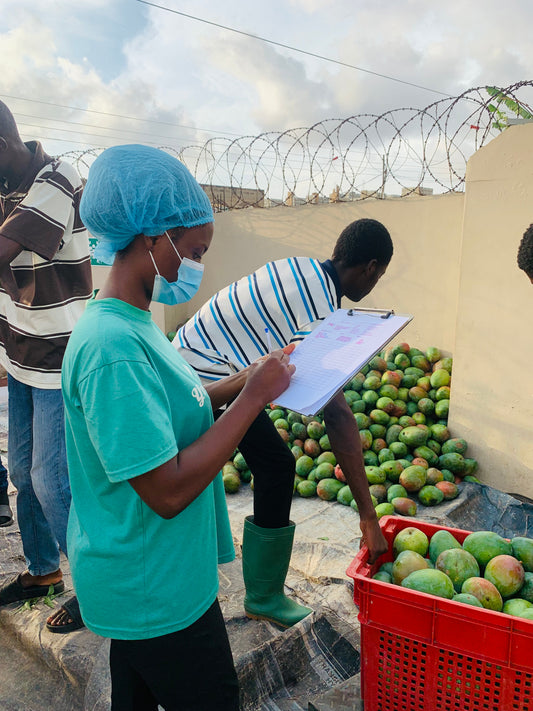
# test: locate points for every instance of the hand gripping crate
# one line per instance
(424, 653)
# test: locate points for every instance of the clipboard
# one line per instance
(334, 352)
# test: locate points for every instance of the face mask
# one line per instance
(177, 292)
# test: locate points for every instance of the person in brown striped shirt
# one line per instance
(45, 282)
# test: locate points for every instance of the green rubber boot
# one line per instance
(266, 553)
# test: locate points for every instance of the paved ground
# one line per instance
(311, 667)
(279, 670)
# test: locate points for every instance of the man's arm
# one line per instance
(346, 445)
(39, 222)
(226, 389)
(8, 251)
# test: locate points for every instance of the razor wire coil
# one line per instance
(367, 155)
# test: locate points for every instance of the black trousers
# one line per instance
(189, 670)
(273, 466)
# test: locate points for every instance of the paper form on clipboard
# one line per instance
(331, 354)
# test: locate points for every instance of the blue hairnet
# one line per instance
(135, 189)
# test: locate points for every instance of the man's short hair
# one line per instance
(8, 126)
(361, 241)
(525, 252)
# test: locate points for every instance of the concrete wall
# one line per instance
(454, 268)
(422, 278)
(492, 394)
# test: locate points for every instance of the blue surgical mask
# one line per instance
(177, 292)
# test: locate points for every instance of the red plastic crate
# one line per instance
(424, 653)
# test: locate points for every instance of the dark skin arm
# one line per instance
(171, 487)
(8, 251)
(225, 390)
(346, 444)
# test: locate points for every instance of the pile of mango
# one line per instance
(400, 402)
(486, 570)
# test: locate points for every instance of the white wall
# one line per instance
(422, 278)
(492, 395)
(454, 268)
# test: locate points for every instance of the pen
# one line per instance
(269, 340)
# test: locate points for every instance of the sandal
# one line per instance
(69, 610)
(14, 591)
(6, 515)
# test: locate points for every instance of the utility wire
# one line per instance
(293, 49)
(106, 113)
(246, 156)
(88, 133)
(297, 162)
(30, 136)
(91, 125)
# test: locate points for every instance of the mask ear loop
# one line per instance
(173, 246)
(153, 262)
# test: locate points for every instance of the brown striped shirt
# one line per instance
(53, 272)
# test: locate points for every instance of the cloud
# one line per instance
(41, 72)
(120, 57)
(340, 7)
(450, 47)
(284, 96)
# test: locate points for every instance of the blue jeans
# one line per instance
(3, 478)
(37, 464)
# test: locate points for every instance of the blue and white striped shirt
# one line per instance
(288, 296)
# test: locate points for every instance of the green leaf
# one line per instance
(512, 105)
(524, 113)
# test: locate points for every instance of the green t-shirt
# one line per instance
(131, 404)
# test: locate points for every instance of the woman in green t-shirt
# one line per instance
(148, 521)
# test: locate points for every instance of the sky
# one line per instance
(87, 75)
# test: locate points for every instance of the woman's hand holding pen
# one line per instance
(286, 349)
(270, 375)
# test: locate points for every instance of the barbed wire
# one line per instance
(393, 154)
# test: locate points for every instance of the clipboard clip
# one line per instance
(382, 313)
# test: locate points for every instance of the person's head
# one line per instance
(11, 144)
(525, 253)
(143, 200)
(361, 256)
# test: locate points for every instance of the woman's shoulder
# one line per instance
(104, 335)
